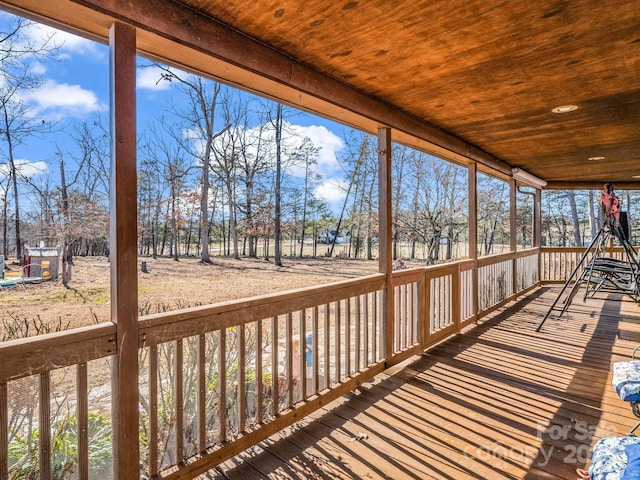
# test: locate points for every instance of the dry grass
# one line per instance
(169, 285)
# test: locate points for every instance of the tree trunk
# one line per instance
(278, 200)
(593, 221)
(250, 225)
(67, 257)
(14, 181)
(173, 250)
(5, 240)
(574, 217)
(204, 205)
(233, 229)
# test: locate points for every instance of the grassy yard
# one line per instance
(33, 309)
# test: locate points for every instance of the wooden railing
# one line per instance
(215, 380)
(558, 263)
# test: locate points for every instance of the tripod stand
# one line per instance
(601, 273)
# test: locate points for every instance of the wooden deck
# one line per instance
(500, 402)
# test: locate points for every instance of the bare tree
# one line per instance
(226, 160)
(400, 156)
(252, 161)
(493, 212)
(17, 121)
(200, 118)
(358, 150)
(164, 149)
(593, 221)
(277, 124)
(306, 155)
(4, 186)
(89, 187)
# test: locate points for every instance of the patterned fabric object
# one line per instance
(626, 380)
(609, 458)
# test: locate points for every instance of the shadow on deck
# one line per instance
(501, 402)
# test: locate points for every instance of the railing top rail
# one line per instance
(311, 294)
(615, 248)
(33, 355)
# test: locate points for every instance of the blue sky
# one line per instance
(76, 88)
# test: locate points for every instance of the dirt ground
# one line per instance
(169, 285)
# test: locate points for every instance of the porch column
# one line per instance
(123, 253)
(537, 218)
(473, 230)
(385, 261)
(513, 232)
(537, 227)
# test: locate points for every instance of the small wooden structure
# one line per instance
(41, 262)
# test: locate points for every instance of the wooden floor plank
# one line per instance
(501, 401)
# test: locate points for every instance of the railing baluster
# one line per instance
(394, 340)
(153, 411)
(437, 294)
(408, 315)
(82, 418)
(347, 337)
(338, 341)
(289, 361)
(375, 326)
(275, 394)
(202, 392)
(367, 322)
(45, 426)
(442, 301)
(259, 385)
(4, 431)
(357, 334)
(414, 312)
(179, 394)
(315, 360)
(449, 299)
(242, 384)
(222, 386)
(327, 345)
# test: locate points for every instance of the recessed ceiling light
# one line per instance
(595, 159)
(564, 109)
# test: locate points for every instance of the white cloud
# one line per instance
(60, 99)
(148, 78)
(25, 168)
(38, 68)
(328, 143)
(39, 35)
(333, 191)
(67, 43)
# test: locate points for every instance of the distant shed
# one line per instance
(41, 262)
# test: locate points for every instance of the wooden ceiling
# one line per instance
(461, 78)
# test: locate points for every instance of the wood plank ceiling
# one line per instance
(484, 76)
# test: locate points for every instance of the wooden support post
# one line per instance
(123, 238)
(385, 226)
(537, 228)
(513, 233)
(537, 219)
(473, 231)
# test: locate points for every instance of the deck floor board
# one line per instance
(501, 401)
